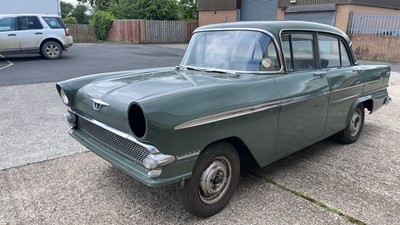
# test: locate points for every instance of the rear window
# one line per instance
(54, 22)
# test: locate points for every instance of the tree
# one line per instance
(70, 20)
(145, 9)
(66, 9)
(99, 4)
(187, 9)
(80, 14)
(159, 9)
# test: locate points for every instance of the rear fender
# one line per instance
(368, 103)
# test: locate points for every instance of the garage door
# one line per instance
(258, 10)
(314, 13)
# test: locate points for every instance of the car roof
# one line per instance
(275, 27)
(28, 14)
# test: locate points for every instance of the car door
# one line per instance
(305, 95)
(8, 35)
(345, 80)
(30, 32)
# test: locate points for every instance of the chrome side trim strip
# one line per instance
(188, 155)
(372, 82)
(151, 148)
(376, 90)
(227, 115)
(289, 101)
(346, 88)
(345, 99)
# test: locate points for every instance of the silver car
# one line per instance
(44, 34)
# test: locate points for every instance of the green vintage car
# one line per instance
(245, 95)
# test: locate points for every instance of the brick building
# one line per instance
(332, 12)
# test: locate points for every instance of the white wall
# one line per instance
(30, 6)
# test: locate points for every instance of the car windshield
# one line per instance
(242, 51)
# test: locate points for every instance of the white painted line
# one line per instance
(9, 63)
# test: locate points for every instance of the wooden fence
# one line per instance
(127, 31)
(151, 31)
(82, 33)
(138, 31)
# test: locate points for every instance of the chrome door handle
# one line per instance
(358, 70)
(12, 35)
(38, 33)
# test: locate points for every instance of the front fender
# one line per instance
(72, 86)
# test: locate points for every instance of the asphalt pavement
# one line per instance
(48, 178)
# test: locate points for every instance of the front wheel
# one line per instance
(214, 179)
(51, 50)
(351, 133)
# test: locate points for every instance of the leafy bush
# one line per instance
(102, 23)
(145, 9)
(70, 20)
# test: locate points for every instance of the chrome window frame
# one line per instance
(316, 31)
(277, 47)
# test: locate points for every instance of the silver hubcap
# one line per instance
(215, 180)
(355, 123)
(52, 50)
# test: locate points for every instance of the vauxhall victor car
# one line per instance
(245, 95)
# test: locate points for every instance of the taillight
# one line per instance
(67, 32)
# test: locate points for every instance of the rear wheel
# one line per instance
(351, 133)
(51, 50)
(214, 179)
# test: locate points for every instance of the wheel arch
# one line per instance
(366, 101)
(52, 39)
(246, 158)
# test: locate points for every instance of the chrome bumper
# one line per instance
(387, 101)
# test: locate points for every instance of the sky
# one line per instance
(74, 2)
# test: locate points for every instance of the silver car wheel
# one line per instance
(355, 123)
(215, 180)
(52, 50)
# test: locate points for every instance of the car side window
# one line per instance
(54, 22)
(298, 49)
(7, 24)
(29, 23)
(332, 52)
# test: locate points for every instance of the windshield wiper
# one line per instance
(229, 72)
(233, 73)
(188, 68)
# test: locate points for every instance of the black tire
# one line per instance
(217, 170)
(353, 130)
(51, 50)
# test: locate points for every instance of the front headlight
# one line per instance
(64, 97)
(137, 121)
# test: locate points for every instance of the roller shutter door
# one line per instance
(325, 14)
(258, 10)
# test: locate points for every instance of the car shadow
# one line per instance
(15, 58)
(22, 57)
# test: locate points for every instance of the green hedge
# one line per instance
(102, 23)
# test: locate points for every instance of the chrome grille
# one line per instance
(112, 141)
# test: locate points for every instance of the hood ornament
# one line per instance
(97, 104)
